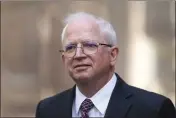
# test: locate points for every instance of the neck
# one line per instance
(92, 87)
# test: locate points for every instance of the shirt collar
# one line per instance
(79, 99)
(100, 99)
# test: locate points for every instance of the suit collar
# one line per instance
(119, 104)
(67, 104)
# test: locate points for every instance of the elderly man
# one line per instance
(89, 54)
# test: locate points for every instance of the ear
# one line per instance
(113, 55)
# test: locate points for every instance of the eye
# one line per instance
(69, 48)
(90, 45)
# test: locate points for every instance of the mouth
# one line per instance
(81, 66)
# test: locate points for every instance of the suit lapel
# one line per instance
(67, 106)
(119, 104)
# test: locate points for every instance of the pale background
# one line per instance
(31, 65)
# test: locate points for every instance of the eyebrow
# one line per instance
(70, 43)
(80, 41)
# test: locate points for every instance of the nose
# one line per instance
(79, 51)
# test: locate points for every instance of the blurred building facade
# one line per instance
(31, 65)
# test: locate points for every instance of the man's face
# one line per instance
(85, 67)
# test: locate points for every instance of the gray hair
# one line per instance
(105, 26)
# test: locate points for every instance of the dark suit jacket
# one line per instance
(126, 102)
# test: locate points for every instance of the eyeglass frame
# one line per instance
(98, 44)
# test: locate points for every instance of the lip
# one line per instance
(81, 65)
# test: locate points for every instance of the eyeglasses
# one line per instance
(87, 48)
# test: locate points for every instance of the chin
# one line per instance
(81, 77)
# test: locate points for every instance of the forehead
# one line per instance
(82, 29)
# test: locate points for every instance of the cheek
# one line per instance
(105, 59)
(101, 59)
(67, 63)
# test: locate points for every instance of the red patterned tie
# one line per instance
(85, 107)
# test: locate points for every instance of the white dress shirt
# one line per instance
(100, 100)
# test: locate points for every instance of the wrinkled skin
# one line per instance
(89, 69)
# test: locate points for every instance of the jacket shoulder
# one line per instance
(46, 108)
(55, 98)
(146, 94)
(146, 102)
(148, 99)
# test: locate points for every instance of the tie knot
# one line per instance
(86, 105)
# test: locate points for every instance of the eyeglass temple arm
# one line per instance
(105, 44)
(61, 51)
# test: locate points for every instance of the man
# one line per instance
(89, 53)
